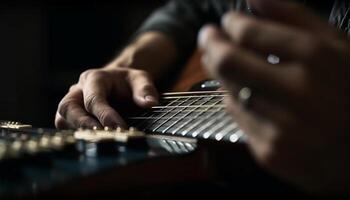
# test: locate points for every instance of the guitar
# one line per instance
(188, 139)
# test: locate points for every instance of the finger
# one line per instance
(60, 122)
(267, 37)
(235, 65)
(71, 109)
(256, 132)
(95, 101)
(264, 110)
(269, 129)
(144, 92)
(288, 12)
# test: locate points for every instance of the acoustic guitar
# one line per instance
(186, 145)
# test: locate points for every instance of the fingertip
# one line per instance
(204, 34)
(228, 18)
(87, 122)
(122, 125)
(150, 99)
(116, 124)
(113, 120)
(146, 101)
(60, 123)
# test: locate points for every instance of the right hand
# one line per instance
(86, 104)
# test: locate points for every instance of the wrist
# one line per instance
(147, 53)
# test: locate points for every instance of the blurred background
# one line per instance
(45, 45)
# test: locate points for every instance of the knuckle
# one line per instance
(85, 74)
(73, 88)
(137, 72)
(90, 101)
(104, 115)
(93, 75)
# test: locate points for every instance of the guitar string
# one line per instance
(217, 127)
(162, 109)
(198, 96)
(184, 111)
(194, 109)
(204, 106)
(195, 92)
(197, 116)
(139, 124)
(198, 122)
(225, 130)
(212, 100)
(231, 128)
(185, 116)
(161, 116)
(173, 115)
(203, 126)
(220, 131)
(166, 118)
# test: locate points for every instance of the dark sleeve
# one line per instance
(181, 20)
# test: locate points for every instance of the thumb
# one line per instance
(144, 92)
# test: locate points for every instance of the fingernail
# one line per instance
(151, 98)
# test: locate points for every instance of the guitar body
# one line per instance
(192, 74)
(157, 166)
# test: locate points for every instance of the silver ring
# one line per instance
(244, 96)
(273, 59)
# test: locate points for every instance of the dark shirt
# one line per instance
(182, 19)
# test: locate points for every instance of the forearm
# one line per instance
(151, 51)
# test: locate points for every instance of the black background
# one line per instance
(45, 45)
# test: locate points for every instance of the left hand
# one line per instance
(298, 119)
